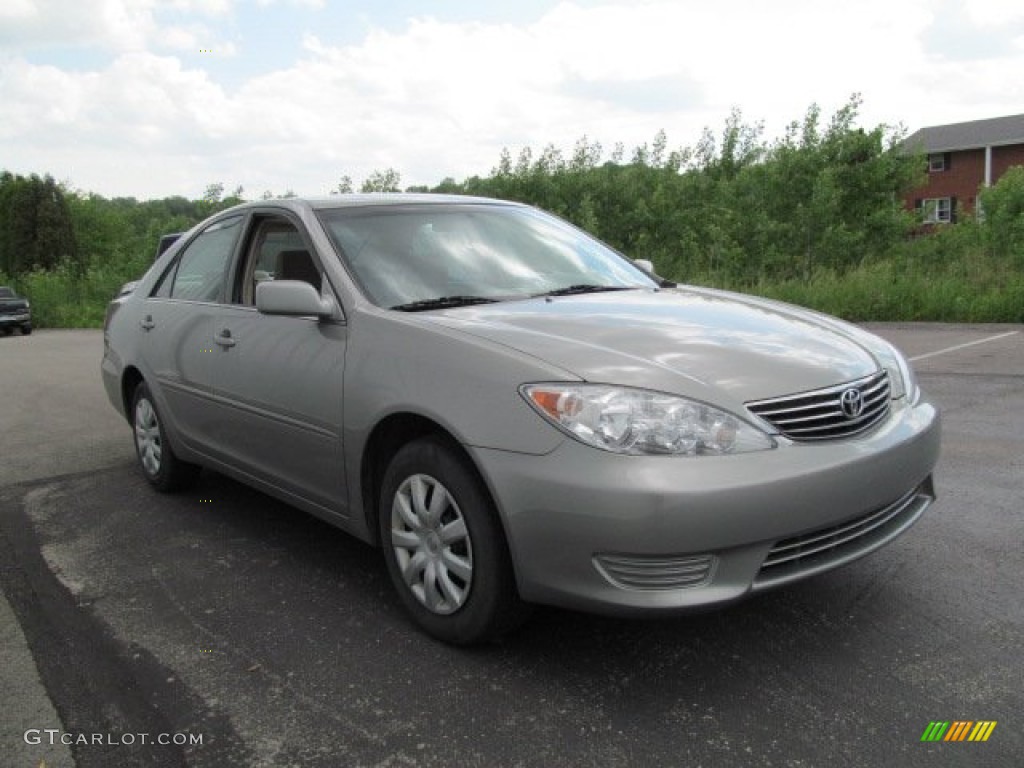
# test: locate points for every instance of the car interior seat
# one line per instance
(297, 265)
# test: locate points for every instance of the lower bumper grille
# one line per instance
(821, 550)
(655, 572)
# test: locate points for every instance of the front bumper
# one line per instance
(19, 319)
(636, 535)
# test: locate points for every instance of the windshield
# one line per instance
(6, 293)
(438, 256)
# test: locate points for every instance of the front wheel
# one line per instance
(444, 546)
(162, 468)
(26, 330)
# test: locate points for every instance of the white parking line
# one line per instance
(963, 346)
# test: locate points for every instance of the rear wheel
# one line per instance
(444, 546)
(164, 470)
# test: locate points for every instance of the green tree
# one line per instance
(36, 230)
(213, 192)
(1002, 206)
(105, 232)
(388, 180)
(823, 198)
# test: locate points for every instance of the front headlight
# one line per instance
(643, 423)
(901, 376)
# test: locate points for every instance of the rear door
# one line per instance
(176, 324)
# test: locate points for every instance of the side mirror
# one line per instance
(645, 264)
(292, 297)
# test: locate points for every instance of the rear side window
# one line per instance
(202, 266)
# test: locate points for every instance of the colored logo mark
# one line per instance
(959, 730)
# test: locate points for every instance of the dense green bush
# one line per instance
(736, 206)
(814, 217)
(882, 291)
(1003, 207)
(36, 230)
(62, 298)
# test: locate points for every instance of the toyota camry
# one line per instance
(514, 412)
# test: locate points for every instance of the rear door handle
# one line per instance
(147, 323)
(224, 338)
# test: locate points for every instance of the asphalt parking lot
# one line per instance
(225, 615)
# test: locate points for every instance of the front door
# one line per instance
(279, 379)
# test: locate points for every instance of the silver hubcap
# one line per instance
(431, 544)
(147, 436)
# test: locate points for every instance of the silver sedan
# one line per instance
(514, 412)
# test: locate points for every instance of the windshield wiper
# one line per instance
(586, 288)
(443, 302)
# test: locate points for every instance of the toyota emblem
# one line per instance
(852, 403)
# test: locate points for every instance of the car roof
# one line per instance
(374, 200)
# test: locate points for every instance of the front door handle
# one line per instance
(224, 338)
(147, 323)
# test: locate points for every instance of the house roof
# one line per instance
(995, 131)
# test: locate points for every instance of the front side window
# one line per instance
(276, 251)
(407, 254)
(201, 268)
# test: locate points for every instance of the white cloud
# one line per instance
(314, 4)
(436, 99)
(17, 10)
(995, 12)
(114, 25)
(960, 33)
(206, 7)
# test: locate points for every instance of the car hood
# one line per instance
(696, 342)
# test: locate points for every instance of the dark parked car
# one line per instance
(15, 312)
(514, 412)
(166, 241)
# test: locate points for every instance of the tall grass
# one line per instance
(883, 292)
(62, 299)
(947, 277)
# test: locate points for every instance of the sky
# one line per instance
(153, 98)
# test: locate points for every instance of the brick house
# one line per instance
(962, 158)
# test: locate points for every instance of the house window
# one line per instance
(939, 162)
(937, 210)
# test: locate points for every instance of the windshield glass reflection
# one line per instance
(403, 254)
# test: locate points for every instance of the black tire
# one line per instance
(463, 606)
(164, 470)
(26, 330)
(8, 331)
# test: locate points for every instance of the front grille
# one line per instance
(820, 550)
(820, 415)
(655, 572)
